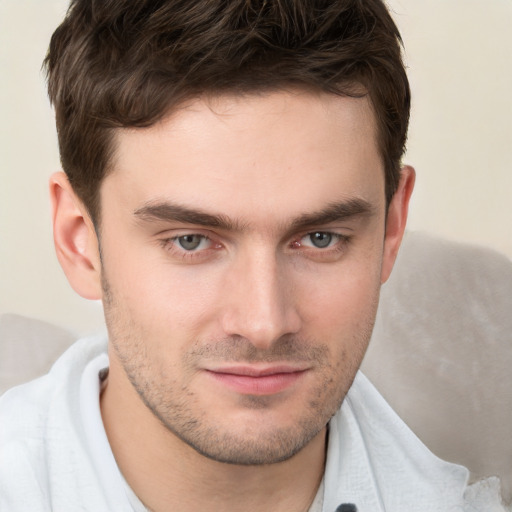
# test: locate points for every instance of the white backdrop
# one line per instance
(460, 67)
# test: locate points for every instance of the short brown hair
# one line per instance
(127, 63)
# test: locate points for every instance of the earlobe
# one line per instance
(396, 220)
(75, 239)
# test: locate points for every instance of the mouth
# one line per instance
(257, 380)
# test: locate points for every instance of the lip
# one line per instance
(257, 380)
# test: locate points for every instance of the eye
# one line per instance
(320, 239)
(192, 242)
(191, 248)
(322, 246)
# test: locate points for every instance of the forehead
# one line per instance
(284, 152)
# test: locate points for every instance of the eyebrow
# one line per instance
(335, 212)
(170, 212)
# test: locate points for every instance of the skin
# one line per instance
(243, 244)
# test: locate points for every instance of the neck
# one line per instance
(167, 474)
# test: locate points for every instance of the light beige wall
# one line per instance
(458, 52)
(31, 282)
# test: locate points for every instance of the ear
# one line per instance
(396, 220)
(75, 239)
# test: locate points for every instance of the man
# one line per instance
(233, 194)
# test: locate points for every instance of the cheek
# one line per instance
(341, 312)
(160, 298)
(344, 296)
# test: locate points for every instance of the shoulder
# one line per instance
(25, 409)
(375, 461)
(39, 428)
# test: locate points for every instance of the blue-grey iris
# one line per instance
(190, 242)
(320, 239)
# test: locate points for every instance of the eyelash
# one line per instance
(331, 253)
(171, 245)
(335, 236)
(319, 254)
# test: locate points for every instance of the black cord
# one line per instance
(346, 507)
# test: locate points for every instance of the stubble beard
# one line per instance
(178, 408)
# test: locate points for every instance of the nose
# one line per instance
(260, 304)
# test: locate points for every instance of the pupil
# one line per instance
(321, 239)
(189, 242)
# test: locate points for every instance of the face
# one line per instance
(242, 246)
